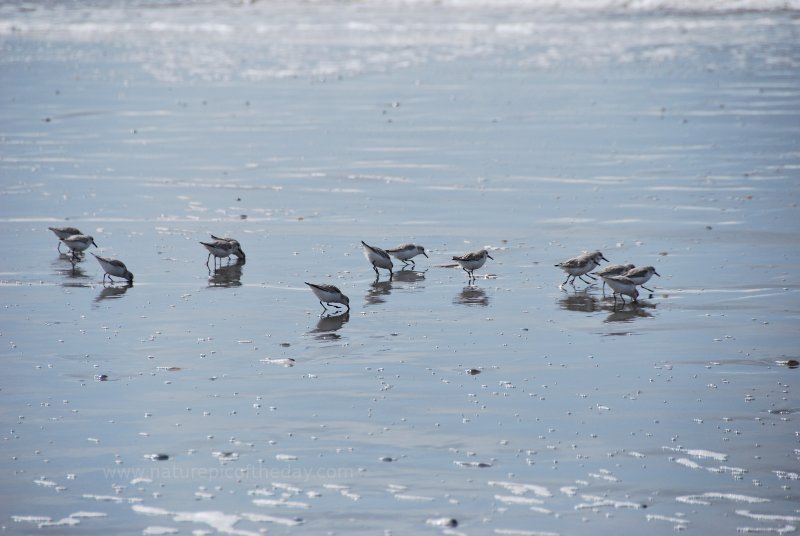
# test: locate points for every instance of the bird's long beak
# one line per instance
(490, 256)
(95, 244)
(426, 255)
(659, 275)
(602, 257)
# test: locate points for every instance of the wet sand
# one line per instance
(220, 400)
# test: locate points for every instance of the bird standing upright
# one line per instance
(580, 266)
(77, 244)
(470, 262)
(406, 253)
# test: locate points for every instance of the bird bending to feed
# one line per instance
(470, 262)
(406, 252)
(329, 294)
(64, 232)
(580, 266)
(378, 258)
(222, 248)
(113, 267)
(641, 275)
(613, 269)
(78, 243)
(622, 285)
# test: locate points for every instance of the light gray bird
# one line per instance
(64, 232)
(470, 262)
(406, 252)
(580, 266)
(378, 258)
(222, 248)
(113, 267)
(77, 244)
(622, 285)
(329, 294)
(642, 275)
(613, 269)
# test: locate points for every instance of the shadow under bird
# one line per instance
(642, 275)
(329, 294)
(470, 262)
(113, 267)
(406, 253)
(222, 248)
(623, 286)
(64, 232)
(580, 266)
(378, 258)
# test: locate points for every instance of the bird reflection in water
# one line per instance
(409, 276)
(472, 295)
(629, 311)
(328, 325)
(70, 257)
(226, 276)
(580, 301)
(583, 302)
(112, 291)
(75, 275)
(377, 291)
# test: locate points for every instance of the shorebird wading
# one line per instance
(470, 262)
(329, 294)
(64, 232)
(113, 267)
(613, 269)
(642, 275)
(378, 258)
(78, 243)
(406, 252)
(622, 285)
(580, 266)
(222, 248)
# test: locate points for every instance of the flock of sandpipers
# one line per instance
(622, 278)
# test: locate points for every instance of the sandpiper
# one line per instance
(641, 275)
(622, 285)
(78, 243)
(470, 262)
(378, 258)
(226, 239)
(580, 266)
(113, 267)
(329, 294)
(64, 232)
(406, 252)
(222, 248)
(613, 269)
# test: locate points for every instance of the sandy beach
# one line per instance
(202, 400)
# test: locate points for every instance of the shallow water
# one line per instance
(174, 404)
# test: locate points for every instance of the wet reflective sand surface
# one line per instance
(221, 400)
